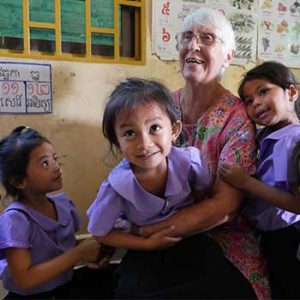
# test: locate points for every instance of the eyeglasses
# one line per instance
(205, 38)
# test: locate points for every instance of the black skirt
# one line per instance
(281, 248)
(85, 284)
(194, 268)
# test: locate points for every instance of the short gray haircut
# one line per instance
(214, 18)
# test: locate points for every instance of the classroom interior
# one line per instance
(79, 93)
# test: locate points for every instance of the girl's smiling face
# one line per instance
(145, 135)
(268, 104)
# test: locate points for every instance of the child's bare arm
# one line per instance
(235, 175)
(29, 276)
(277, 197)
(159, 240)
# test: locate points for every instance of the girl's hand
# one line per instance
(162, 239)
(104, 255)
(233, 174)
(89, 250)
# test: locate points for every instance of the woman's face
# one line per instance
(202, 59)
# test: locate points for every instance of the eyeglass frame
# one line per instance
(199, 38)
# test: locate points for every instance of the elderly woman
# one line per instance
(215, 121)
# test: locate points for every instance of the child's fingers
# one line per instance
(167, 242)
(228, 166)
(174, 240)
(223, 165)
(103, 262)
(221, 172)
(92, 265)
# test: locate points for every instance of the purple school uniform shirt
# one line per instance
(121, 194)
(275, 168)
(45, 238)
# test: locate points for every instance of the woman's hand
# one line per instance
(233, 174)
(162, 239)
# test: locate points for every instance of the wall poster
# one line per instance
(25, 88)
(264, 29)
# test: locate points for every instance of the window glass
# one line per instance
(84, 36)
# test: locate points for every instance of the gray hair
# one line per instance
(214, 18)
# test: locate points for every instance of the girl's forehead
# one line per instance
(256, 82)
(42, 148)
(141, 111)
(254, 85)
(146, 107)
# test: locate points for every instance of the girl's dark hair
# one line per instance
(130, 93)
(15, 150)
(273, 72)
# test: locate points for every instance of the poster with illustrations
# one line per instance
(169, 14)
(167, 19)
(243, 17)
(264, 29)
(279, 31)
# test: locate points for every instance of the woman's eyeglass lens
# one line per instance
(206, 38)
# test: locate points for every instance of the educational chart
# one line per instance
(264, 29)
(25, 88)
(168, 17)
(279, 31)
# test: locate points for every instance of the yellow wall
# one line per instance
(80, 90)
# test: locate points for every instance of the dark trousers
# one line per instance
(194, 268)
(86, 284)
(281, 248)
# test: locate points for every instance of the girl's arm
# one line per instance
(29, 276)
(159, 240)
(235, 175)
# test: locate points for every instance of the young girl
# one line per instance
(152, 182)
(37, 242)
(270, 94)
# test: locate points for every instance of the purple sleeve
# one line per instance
(199, 176)
(15, 231)
(104, 211)
(284, 171)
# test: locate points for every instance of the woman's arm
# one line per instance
(222, 207)
(29, 276)
(235, 175)
(159, 240)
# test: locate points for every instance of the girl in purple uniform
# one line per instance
(37, 241)
(270, 93)
(153, 181)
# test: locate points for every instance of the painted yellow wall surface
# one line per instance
(80, 90)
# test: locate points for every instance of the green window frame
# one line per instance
(101, 31)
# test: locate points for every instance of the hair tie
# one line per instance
(21, 129)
